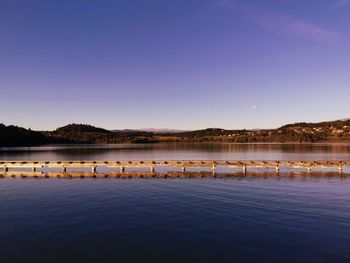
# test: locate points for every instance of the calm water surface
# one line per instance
(180, 152)
(235, 219)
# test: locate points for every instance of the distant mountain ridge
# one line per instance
(153, 130)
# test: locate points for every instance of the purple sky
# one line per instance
(185, 64)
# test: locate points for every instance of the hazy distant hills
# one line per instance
(331, 131)
(158, 131)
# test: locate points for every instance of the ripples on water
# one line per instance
(250, 219)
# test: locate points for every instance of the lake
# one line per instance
(243, 218)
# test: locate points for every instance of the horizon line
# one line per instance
(178, 129)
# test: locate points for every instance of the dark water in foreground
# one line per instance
(300, 218)
(249, 219)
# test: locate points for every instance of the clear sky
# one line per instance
(185, 64)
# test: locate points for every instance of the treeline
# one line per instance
(260, 137)
(71, 134)
(337, 131)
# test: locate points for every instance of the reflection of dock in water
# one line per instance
(170, 174)
(125, 169)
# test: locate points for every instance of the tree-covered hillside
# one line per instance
(17, 136)
(83, 133)
(80, 128)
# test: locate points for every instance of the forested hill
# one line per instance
(339, 124)
(80, 128)
(82, 133)
(334, 131)
(17, 136)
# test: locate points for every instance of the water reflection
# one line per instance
(205, 151)
(175, 174)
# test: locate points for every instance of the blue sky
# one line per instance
(187, 64)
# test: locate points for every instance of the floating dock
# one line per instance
(153, 165)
